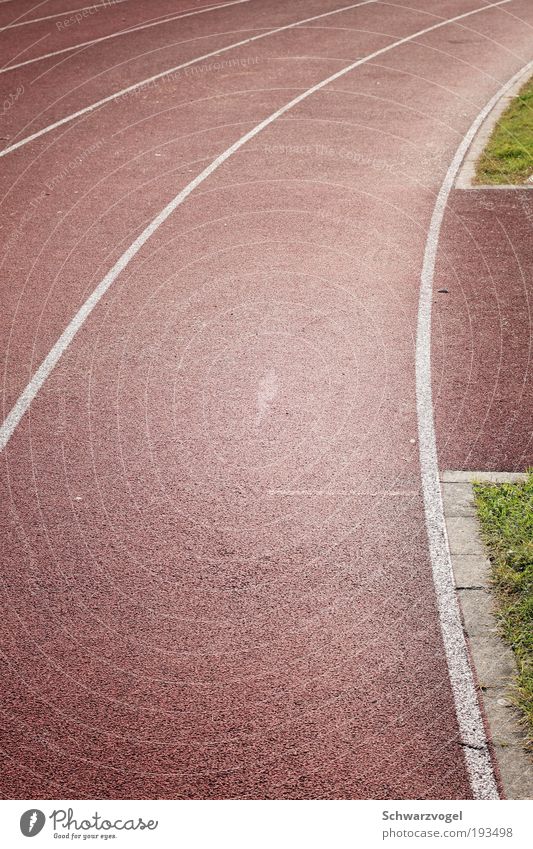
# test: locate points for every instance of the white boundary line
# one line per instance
(173, 70)
(53, 357)
(18, 23)
(154, 23)
(473, 738)
(65, 14)
(466, 704)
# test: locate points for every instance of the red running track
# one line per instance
(216, 576)
(482, 351)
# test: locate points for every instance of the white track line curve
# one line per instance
(149, 80)
(18, 23)
(66, 14)
(466, 704)
(472, 732)
(148, 25)
(23, 402)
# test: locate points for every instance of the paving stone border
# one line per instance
(467, 172)
(493, 661)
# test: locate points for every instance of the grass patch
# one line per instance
(508, 156)
(506, 515)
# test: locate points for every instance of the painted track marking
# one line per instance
(18, 23)
(475, 747)
(87, 109)
(53, 357)
(154, 23)
(28, 47)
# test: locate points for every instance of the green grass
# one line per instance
(506, 515)
(508, 156)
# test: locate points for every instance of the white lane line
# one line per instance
(154, 23)
(25, 49)
(359, 492)
(466, 704)
(473, 738)
(33, 8)
(45, 369)
(66, 14)
(166, 73)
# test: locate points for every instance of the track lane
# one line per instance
(483, 388)
(21, 19)
(467, 709)
(336, 743)
(122, 31)
(51, 360)
(147, 81)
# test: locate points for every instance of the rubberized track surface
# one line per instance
(482, 346)
(216, 572)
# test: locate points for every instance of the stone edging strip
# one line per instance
(465, 177)
(493, 661)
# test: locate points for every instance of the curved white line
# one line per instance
(37, 6)
(153, 23)
(45, 369)
(173, 70)
(65, 14)
(473, 737)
